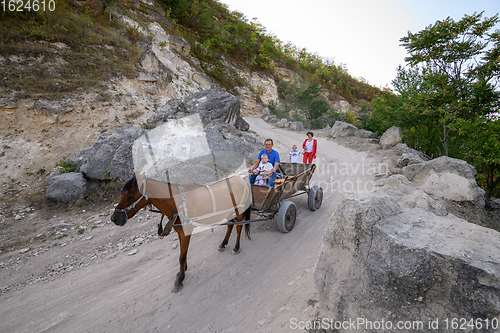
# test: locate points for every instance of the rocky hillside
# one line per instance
(43, 126)
(93, 69)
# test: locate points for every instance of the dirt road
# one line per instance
(119, 279)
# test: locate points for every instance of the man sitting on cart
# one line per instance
(274, 159)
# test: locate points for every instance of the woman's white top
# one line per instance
(309, 146)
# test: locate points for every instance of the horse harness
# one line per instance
(175, 215)
(126, 210)
(168, 227)
(162, 232)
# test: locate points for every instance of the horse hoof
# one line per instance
(177, 288)
(235, 252)
(221, 249)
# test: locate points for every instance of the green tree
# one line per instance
(383, 113)
(458, 89)
(316, 110)
(409, 109)
(309, 94)
(420, 109)
(311, 100)
(483, 148)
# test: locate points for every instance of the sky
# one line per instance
(361, 34)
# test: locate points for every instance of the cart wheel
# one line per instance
(315, 197)
(286, 216)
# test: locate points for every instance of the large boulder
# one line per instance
(283, 123)
(272, 119)
(111, 156)
(342, 129)
(296, 126)
(392, 136)
(394, 255)
(215, 105)
(184, 151)
(221, 125)
(409, 156)
(452, 182)
(364, 134)
(67, 187)
(173, 109)
(222, 137)
(446, 178)
(241, 124)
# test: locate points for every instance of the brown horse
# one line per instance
(132, 201)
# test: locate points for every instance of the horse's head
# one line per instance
(130, 203)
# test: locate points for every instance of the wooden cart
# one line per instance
(268, 201)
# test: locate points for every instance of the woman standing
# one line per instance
(310, 145)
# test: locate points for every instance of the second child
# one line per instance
(294, 155)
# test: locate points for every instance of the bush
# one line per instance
(351, 117)
(68, 166)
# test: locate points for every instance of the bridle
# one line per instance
(131, 207)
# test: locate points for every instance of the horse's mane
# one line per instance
(128, 185)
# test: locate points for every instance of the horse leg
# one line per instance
(184, 245)
(244, 217)
(236, 249)
(222, 245)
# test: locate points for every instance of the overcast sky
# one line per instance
(362, 34)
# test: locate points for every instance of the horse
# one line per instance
(132, 201)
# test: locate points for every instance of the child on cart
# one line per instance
(263, 171)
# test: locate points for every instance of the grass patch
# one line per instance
(76, 47)
(68, 166)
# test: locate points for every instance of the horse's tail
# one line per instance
(246, 217)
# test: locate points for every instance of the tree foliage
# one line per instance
(449, 97)
(306, 104)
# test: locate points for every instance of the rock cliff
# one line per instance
(400, 254)
(395, 255)
(40, 132)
